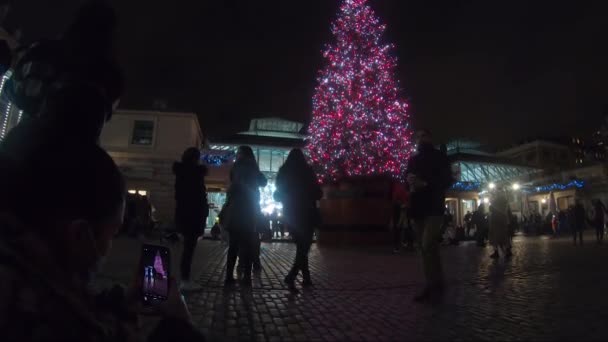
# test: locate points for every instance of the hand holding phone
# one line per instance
(155, 274)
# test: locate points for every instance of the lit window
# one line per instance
(138, 192)
(143, 132)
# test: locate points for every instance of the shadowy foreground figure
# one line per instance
(298, 190)
(191, 208)
(429, 176)
(59, 214)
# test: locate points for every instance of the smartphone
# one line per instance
(155, 263)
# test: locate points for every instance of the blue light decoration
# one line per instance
(466, 186)
(578, 184)
(217, 160)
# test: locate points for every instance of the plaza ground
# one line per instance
(549, 290)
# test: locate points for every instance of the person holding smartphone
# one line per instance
(53, 239)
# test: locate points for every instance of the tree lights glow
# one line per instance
(360, 124)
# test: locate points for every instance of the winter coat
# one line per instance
(191, 208)
(41, 302)
(242, 208)
(298, 191)
(499, 234)
(579, 216)
(433, 167)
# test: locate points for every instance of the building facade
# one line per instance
(144, 145)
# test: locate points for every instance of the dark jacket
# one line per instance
(298, 191)
(432, 167)
(191, 208)
(242, 208)
(40, 302)
(579, 216)
(598, 216)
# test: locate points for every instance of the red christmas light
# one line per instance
(360, 124)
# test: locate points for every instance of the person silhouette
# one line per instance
(299, 191)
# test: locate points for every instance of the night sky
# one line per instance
(494, 71)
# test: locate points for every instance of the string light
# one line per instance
(19, 116)
(360, 124)
(218, 160)
(579, 184)
(5, 121)
(466, 186)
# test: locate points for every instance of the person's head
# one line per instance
(296, 158)
(244, 152)
(72, 196)
(424, 137)
(191, 156)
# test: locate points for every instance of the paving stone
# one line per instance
(549, 290)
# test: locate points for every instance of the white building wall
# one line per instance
(149, 167)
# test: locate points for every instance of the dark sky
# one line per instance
(495, 71)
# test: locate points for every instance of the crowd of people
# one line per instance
(64, 199)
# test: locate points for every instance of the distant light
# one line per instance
(142, 192)
(543, 201)
(492, 185)
(516, 186)
(486, 200)
(132, 192)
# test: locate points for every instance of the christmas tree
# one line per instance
(360, 123)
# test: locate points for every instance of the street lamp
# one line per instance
(491, 185)
(516, 186)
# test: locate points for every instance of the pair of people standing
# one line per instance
(241, 216)
(297, 189)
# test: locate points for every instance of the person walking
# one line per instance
(480, 221)
(468, 217)
(499, 234)
(241, 215)
(191, 208)
(597, 220)
(429, 176)
(299, 191)
(578, 220)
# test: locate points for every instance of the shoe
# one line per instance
(246, 282)
(430, 294)
(494, 255)
(229, 282)
(189, 286)
(290, 282)
(424, 296)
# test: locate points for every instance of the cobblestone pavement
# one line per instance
(549, 290)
